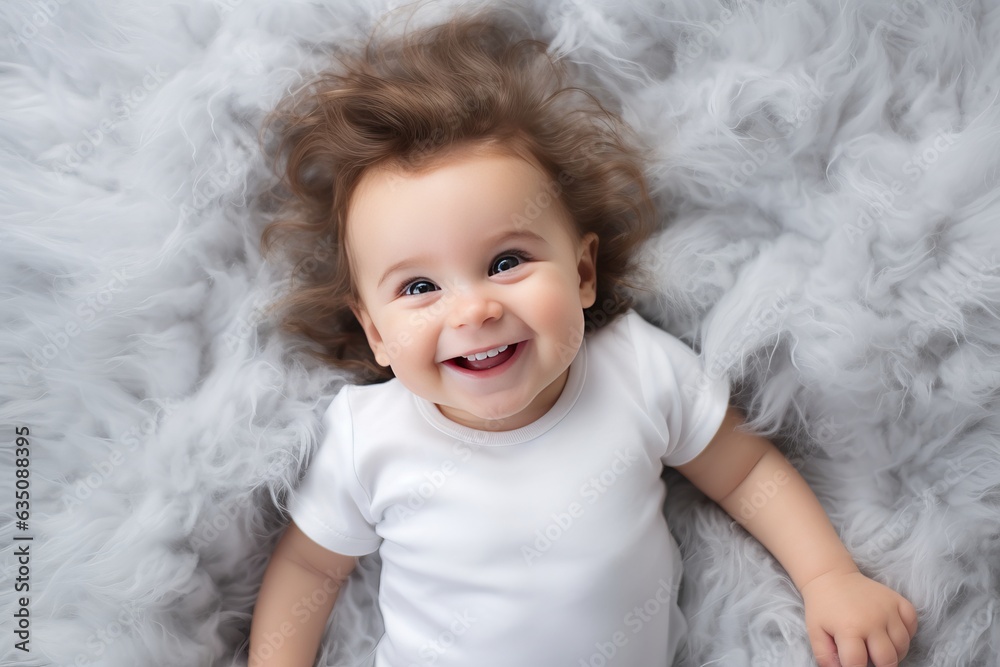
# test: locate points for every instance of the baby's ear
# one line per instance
(372, 334)
(587, 268)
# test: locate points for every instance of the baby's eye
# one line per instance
(419, 287)
(505, 263)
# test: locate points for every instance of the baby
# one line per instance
(503, 446)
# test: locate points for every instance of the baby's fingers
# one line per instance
(823, 648)
(908, 613)
(881, 650)
(900, 637)
(852, 651)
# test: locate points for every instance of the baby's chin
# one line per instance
(482, 420)
(493, 417)
(505, 411)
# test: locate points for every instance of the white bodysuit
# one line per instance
(545, 546)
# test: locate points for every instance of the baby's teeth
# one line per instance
(479, 356)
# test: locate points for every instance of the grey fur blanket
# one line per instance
(827, 174)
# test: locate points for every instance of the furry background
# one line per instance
(828, 178)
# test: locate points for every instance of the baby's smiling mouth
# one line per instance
(482, 361)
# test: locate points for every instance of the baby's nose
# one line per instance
(474, 308)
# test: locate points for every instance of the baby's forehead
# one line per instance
(419, 163)
(511, 171)
(487, 192)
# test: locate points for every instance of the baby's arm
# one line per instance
(847, 614)
(299, 588)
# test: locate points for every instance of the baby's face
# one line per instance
(475, 257)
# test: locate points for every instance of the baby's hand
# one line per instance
(858, 619)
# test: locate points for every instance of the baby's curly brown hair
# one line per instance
(406, 101)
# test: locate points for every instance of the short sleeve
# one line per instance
(685, 402)
(330, 505)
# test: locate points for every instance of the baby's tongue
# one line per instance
(488, 362)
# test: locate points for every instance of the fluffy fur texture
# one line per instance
(828, 185)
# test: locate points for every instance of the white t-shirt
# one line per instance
(544, 546)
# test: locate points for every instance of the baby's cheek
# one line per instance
(562, 313)
(405, 342)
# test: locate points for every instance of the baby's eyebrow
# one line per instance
(409, 261)
(502, 237)
(517, 234)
